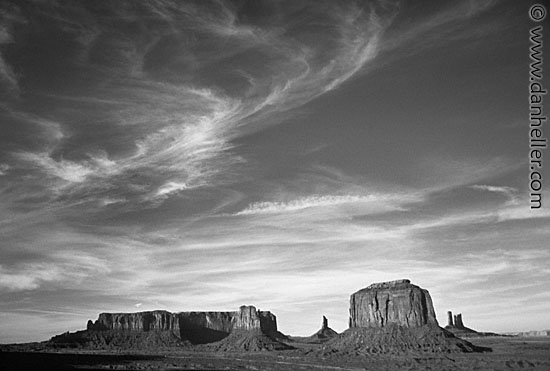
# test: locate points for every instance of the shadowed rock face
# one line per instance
(458, 321)
(396, 302)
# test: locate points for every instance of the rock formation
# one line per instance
(247, 340)
(141, 321)
(458, 321)
(454, 322)
(325, 332)
(395, 302)
(394, 317)
(385, 317)
(246, 318)
(321, 336)
(456, 326)
(163, 328)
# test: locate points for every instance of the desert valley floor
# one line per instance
(509, 353)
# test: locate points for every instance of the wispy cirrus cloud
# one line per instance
(69, 171)
(170, 187)
(4, 169)
(375, 202)
(509, 192)
(9, 16)
(176, 103)
(499, 189)
(61, 267)
(29, 277)
(415, 35)
(177, 118)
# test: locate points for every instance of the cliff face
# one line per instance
(141, 321)
(246, 318)
(395, 317)
(216, 321)
(396, 302)
(244, 329)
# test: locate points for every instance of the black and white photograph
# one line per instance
(274, 185)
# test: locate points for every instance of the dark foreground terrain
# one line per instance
(509, 353)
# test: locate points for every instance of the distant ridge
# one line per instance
(533, 333)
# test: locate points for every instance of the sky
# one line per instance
(185, 155)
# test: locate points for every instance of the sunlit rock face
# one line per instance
(395, 317)
(140, 321)
(245, 329)
(396, 302)
(246, 318)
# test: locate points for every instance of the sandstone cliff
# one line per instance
(165, 329)
(394, 317)
(140, 321)
(246, 318)
(395, 302)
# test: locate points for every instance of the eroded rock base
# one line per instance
(395, 339)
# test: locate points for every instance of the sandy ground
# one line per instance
(508, 354)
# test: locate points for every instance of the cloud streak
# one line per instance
(175, 105)
(9, 16)
(508, 192)
(29, 277)
(384, 202)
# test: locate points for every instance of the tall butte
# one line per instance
(396, 302)
(394, 317)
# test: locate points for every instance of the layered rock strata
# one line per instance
(394, 317)
(166, 329)
(246, 318)
(396, 302)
